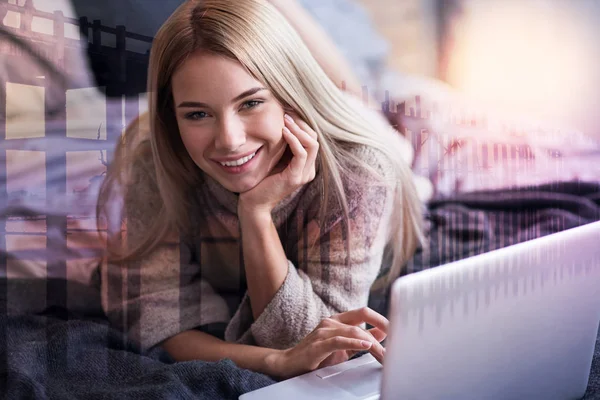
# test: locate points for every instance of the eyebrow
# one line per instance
(194, 104)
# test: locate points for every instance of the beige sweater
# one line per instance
(201, 280)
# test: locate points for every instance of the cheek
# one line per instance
(269, 128)
(194, 142)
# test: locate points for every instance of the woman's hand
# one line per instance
(333, 341)
(294, 170)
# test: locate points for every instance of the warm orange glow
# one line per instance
(522, 56)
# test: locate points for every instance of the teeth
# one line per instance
(239, 162)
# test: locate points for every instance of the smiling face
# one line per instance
(230, 124)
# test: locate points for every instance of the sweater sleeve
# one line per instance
(159, 297)
(332, 276)
(162, 294)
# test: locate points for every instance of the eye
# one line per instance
(195, 115)
(252, 103)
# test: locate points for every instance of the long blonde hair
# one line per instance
(255, 34)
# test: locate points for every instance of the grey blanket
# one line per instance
(50, 357)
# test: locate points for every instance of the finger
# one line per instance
(310, 168)
(299, 154)
(378, 334)
(304, 132)
(359, 333)
(325, 348)
(350, 332)
(308, 138)
(304, 126)
(328, 324)
(362, 315)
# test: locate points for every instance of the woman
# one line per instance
(260, 200)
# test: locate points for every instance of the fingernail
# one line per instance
(383, 351)
(288, 118)
(285, 128)
(366, 343)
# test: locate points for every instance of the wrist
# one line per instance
(275, 363)
(254, 214)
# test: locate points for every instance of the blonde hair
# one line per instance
(254, 33)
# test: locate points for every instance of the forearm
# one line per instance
(265, 260)
(320, 45)
(196, 345)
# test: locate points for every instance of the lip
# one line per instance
(236, 157)
(241, 168)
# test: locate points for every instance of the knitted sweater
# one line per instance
(200, 281)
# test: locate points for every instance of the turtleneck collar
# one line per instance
(229, 200)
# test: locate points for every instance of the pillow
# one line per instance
(462, 146)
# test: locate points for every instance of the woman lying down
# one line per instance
(259, 198)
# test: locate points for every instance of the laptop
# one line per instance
(515, 323)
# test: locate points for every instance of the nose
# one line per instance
(231, 134)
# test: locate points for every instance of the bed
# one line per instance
(56, 341)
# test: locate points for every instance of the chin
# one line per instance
(240, 187)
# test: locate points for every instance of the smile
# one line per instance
(241, 165)
(239, 162)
